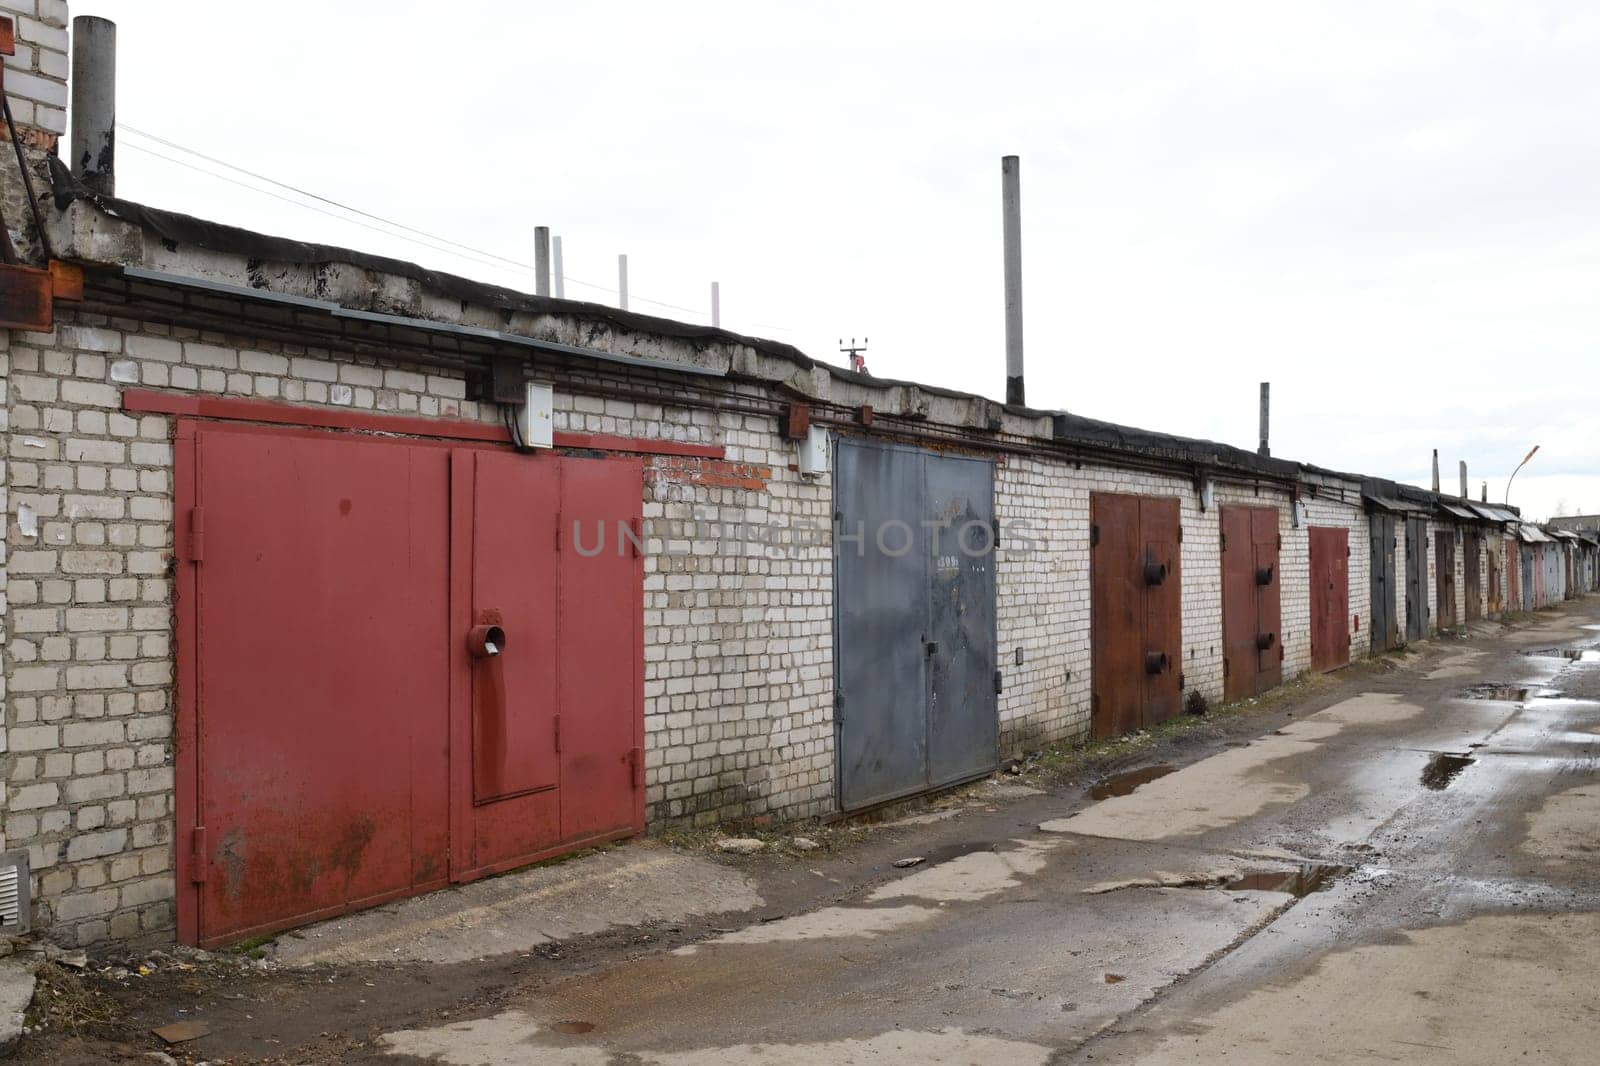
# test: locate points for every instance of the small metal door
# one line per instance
(1528, 581)
(1471, 556)
(1252, 647)
(1416, 579)
(1383, 621)
(1136, 638)
(1444, 557)
(915, 701)
(1330, 598)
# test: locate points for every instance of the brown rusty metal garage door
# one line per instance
(1444, 561)
(1136, 611)
(1330, 598)
(1471, 556)
(1252, 649)
(340, 744)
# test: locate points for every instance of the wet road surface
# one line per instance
(1402, 870)
(1408, 875)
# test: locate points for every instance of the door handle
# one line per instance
(1156, 662)
(1264, 640)
(486, 642)
(930, 648)
(1264, 575)
(1155, 573)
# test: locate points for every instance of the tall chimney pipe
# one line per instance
(1436, 470)
(1485, 492)
(1465, 493)
(541, 260)
(1011, 208)
(94, 103)
(622, 282)
(1266, 403)
(561, 273)
(716, 304)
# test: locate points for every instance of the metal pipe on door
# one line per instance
(560, 273)
(1011, 232)
(541, 260)
(622, 282)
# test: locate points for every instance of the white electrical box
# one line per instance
(814, 451)
(536, 418)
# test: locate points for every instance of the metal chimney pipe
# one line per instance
(561, 274)
(622, 282)
(716, 304)
(94, 103)
(1011, 208)
(1465, 493)
(541, 260)
(1266, 404)
(1485, 492)
(1436, 470)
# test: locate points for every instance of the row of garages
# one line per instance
(398, 650)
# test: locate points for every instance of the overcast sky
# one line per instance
(1391, 211)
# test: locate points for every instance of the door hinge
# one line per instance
(1280, 542)
(1227, 667)
(636, 756)
(1280, 651)
(1094, 534)
(1224, 542)
(197, 854)
(558, 732)
(1094, 703)
(1180, 534)
(994, 529)
(558, 531)
(636, 543)
(196, 547)
(999, 682)
(838, 705)
(1180, 680)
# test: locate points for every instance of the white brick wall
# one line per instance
(36, 77)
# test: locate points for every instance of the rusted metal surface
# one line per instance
(1136, 617)
(1444, 558)
(323, 669)
(1416, 578)
(1251, 601)
(1330, 597)
(1385, 622)
(1471, 574)
(332, 605)
(26, 298)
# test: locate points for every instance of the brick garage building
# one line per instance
(188, 414)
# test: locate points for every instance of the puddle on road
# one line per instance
(1443, 769)
(1123, 784)
(1299, 883)
(1493, 690)
(1582, 655)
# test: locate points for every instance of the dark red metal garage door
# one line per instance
(1252, 647)
(1330, 598)
(1136, 627)
(339, 743)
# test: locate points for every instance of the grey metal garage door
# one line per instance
(915, 685)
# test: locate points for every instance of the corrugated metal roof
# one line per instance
(1390, 504)
(1492, 513)
(1533, 535)
(1458, 511)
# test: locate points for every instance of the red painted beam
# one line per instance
(238, 409)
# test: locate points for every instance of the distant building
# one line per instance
(1576, 521)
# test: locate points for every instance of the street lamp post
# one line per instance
(1513, 476)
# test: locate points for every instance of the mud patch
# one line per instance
(1582, 655)
(1444, 768)
(1122, 784)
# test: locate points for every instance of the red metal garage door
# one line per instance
(339, 743)
(1136, 628)
(1252, 647)
(1330, 598)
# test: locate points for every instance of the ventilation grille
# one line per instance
(14, 892)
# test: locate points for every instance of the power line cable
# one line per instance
(465, 251)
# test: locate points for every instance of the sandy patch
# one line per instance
(970, 877)
(1566, 828)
